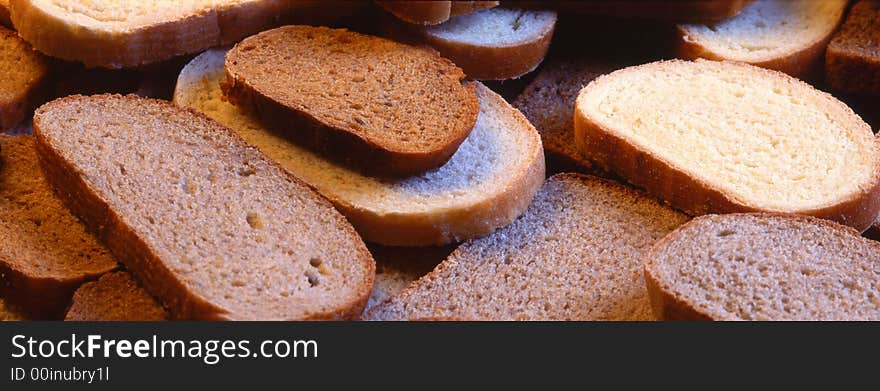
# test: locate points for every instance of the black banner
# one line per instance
(330, 355)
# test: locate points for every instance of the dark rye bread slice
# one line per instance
(25, 73)
(764, 266)
(114, 297)
(382, 107)
(852, 61)
(576, 254)
(548, 103)
(208, 224)
(10, 313)
(45, 252)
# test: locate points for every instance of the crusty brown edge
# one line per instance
(418, 12)
(495, 62)
(13, 111)
(459, 7)
(339, 144)
(670, 305)
(461, 223)
(139, 258)
(805, 63)
(646, 170)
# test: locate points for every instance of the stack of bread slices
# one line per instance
(300, 160)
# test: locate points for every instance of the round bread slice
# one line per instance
(492, 44)
(25, 73)
(721, 137)
(764, 266)
(398, 267)
(788, 36)
(576, 254)
(114, 297)
(486, 185)
(209, 225)
(379, 106)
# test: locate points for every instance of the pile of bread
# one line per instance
(318, 160)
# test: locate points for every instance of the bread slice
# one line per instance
(486, 185)
(384, 107)
(398, 267)
(25, 73)
(788, 36)
(129, 33)
(46, 253)
(114, 297)
(853, 59)
(677, 10)
(575, 255)
(209, 225)
(719, 137)
(492, 44)
(432, 12)
(548, 101)
(764, 266)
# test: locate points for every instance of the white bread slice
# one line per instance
(492, 44)
(788, 36)
(486, 184)
(129, 33)
(721, 137)
(576, 254)
(764, 266)
(209, 225)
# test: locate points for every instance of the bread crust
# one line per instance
(851, 70)
(419, 12)
(666, 303)
(459, 7)
(679, 11)
(440, 227)
(645, 169)
(142, 260)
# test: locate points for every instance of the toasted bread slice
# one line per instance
(129, 33)
(25, 73)
(853, 57)
(576, 254)
(383, 107)
(209, 225)
(492, 44)
(548, 101)
(398, 267)
(718, 137)
(788, 36)
(46, 252)
(432, 12)
(487, 183)
(114, 297)
(762, 266)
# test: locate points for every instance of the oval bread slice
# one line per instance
(788, 36)
(576, 254)
(763, 266)
(718, 137)
(209, 225)
(25, 73)
(487, 183)
(383, 107)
